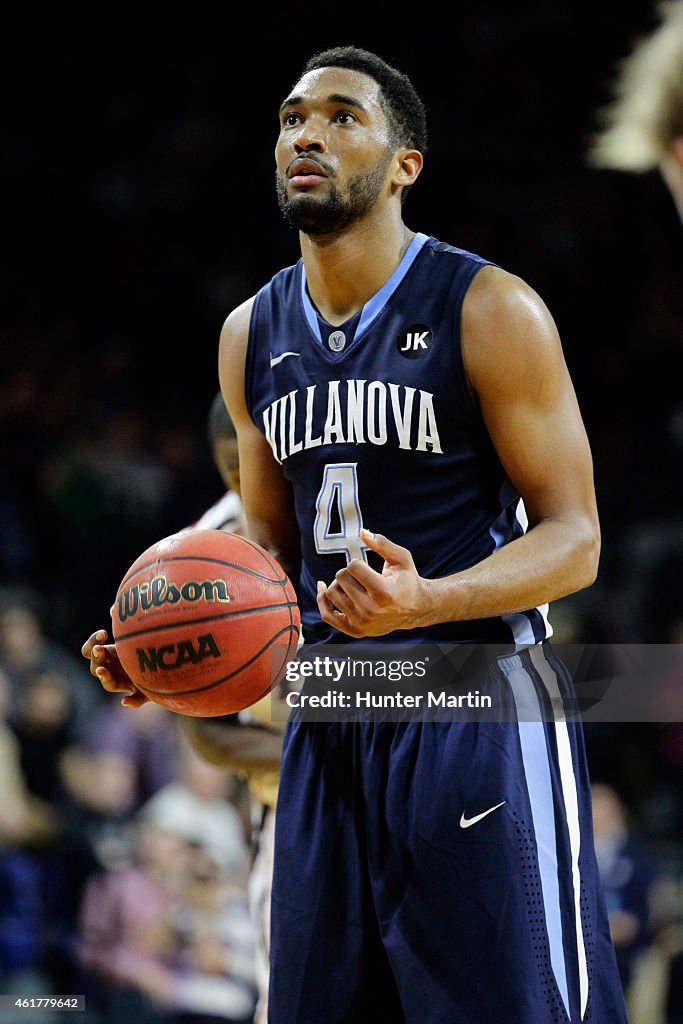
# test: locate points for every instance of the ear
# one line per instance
(408, 166)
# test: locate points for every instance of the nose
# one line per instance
(311, 138)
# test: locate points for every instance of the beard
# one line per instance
(331, 213)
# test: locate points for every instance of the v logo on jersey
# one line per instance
(274, 360)
(466, 822)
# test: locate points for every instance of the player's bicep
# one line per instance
(266, 494)
(542, 444)
(517, 369)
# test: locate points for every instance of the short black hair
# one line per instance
(404, 108)
(220, 424)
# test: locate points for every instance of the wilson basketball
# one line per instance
(205, 622)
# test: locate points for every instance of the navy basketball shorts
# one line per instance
(442, 871)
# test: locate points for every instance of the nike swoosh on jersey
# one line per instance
(466, 822)
(274, 360)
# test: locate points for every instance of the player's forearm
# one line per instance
(234, 747)
(555, 558)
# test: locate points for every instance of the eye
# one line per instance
(291, 119)
(344, 117)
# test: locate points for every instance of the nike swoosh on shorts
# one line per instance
(466, 822)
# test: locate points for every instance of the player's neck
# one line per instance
(345, 271)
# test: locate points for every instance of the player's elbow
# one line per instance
(587, 553)
(210, 742)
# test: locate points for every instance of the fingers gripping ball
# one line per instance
(205, 622)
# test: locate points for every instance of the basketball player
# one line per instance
(424, 871)
(642, 127)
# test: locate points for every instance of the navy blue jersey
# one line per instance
(375, 425)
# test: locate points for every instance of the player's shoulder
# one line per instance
(232, 352)
(449, 254)
(507, 329)
(497, 296)
(237, 323)
(493, 297)
(491, 284)
(453, 265)
(237, 320)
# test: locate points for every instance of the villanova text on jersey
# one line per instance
(375, 425)
(356, 414)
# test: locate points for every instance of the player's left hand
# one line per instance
(108, 670)
(362, 602)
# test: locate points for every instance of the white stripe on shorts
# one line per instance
(571, 805)
(536, 760)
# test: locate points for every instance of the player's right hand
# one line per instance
(107, 669)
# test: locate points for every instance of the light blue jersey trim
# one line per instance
(374, 306)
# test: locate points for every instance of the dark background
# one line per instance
(139, 208)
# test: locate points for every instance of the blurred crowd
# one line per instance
(124, 856)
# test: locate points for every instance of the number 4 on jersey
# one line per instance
(338, 500)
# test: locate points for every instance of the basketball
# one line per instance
(205, 622)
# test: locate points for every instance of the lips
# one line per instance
(304, 171)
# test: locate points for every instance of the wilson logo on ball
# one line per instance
(204, 622)
(158, 592)
(171, 656)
